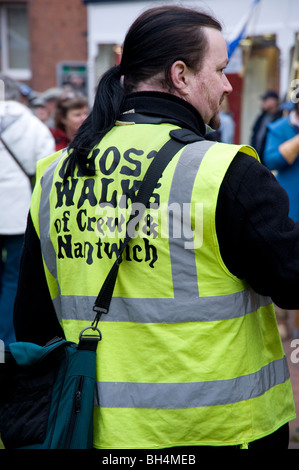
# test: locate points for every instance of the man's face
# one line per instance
(270, 105)
(209, 86)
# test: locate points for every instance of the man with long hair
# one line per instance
(191, 354)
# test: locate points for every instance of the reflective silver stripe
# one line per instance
(184, 275)
(191, 395)
(223, 307)
(48, 251)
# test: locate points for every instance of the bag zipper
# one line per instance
(59, 396)
(75, 410)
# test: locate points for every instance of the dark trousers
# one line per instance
(10, 254)
(279, 440)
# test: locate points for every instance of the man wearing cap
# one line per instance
(50, 98)
(270, 112)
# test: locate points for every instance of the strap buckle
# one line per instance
(99, 311)
(97, 335)
(89, 341)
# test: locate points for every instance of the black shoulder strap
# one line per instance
(30, 177)
(13, 156)
(179, 138)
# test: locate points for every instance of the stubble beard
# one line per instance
(215, 122)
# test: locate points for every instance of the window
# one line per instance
(14, 41)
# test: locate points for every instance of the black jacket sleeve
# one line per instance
(257, 239)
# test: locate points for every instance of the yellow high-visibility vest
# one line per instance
(190, 354)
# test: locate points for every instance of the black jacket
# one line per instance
(259, 131)
(258, 242)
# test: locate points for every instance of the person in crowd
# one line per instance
(281, 155)
(226, 131)
(23, 141)
(26, 94)
(50, 97)
(71, 110)
(270, 112)
(227, 123)
(39, 109)
(191, 354)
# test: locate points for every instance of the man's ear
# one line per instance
(179, 76)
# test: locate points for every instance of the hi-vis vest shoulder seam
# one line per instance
(209, 352)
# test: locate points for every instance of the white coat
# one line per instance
(30, 140)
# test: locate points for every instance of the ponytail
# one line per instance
(155, 40)
(106, 109)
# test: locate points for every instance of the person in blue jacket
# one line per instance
(281, 154)
(270, 112)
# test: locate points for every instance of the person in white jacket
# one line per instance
(24, 139)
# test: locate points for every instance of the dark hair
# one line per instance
(66, 103)
(156, 39)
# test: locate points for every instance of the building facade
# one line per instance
(42, 40)
(44, 43)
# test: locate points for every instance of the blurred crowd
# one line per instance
(62, 110)
(275, 136)
(32, 126)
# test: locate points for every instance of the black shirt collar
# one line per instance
(169, 108)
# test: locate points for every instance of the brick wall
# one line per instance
(58, 32)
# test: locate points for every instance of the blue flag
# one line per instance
(240, 30)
